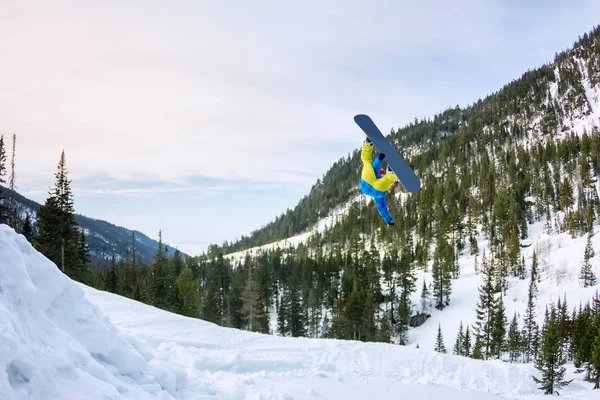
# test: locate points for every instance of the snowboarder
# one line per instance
(375, 181)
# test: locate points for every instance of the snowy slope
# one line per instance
(319, 227)
(62, 340)
(232, 364)
(560, 258)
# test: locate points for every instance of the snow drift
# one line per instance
(54, 344)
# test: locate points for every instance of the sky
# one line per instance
(208, 119)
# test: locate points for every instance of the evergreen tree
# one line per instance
(253, 309)
(189, 293)
(459, 343)
(325, 327)
(442, 272)
(530, 326)
(3, 211)
(112, 276)
(58, 235)
(406, 280)
(354, 310)
(384, 333)
(514, 343)
(477, 353)
(486, 309)
(439, 342)
(466, 344)
(587, 276)
(595, 362)
(425, 297)
(499, 323)
(535, 277)
(551, 358)
(161, 286)
(296, 306)
(83, 269)
(177, 262)
(282, 314)
(28, 230)
(12, 204)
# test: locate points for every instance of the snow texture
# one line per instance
(54, 344)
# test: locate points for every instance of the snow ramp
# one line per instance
(54, 344)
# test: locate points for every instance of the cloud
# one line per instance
(213, 91)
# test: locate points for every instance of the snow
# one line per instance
(294, 241)
(559, 257)
(592, 94)
(63, 340)
(54, 344)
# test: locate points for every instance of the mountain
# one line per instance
(64, 340)
(549, 103)
(103, 238)
(505, 227)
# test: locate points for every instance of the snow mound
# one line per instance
(54, 344)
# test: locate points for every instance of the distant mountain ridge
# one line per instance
(103, 238)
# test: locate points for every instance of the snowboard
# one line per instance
(406, 175)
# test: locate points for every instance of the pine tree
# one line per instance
(551, 358)
(439, 342)
(28, 230)
(252, 309)
(297, 326)
(459, 343)
(477, 353)
(161, 286)
(425, 296)
(563, 322)
(83, 269)
(406, 280)
(189, 293)
(530, 326)
(514, 343)
(442, 272)
(595, 362)
(587, 276)
(3, 211)
(282, 314)
(466, 345)
(521, 268)
(12, 204)
(535, 277)
(385, 331)
(486, 309)
(499, 323)
(177, 262)
(112, 276)
(58, 235)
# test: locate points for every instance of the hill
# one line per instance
(549, 103)
(103, 238)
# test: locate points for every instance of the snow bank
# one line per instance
(54, 344)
